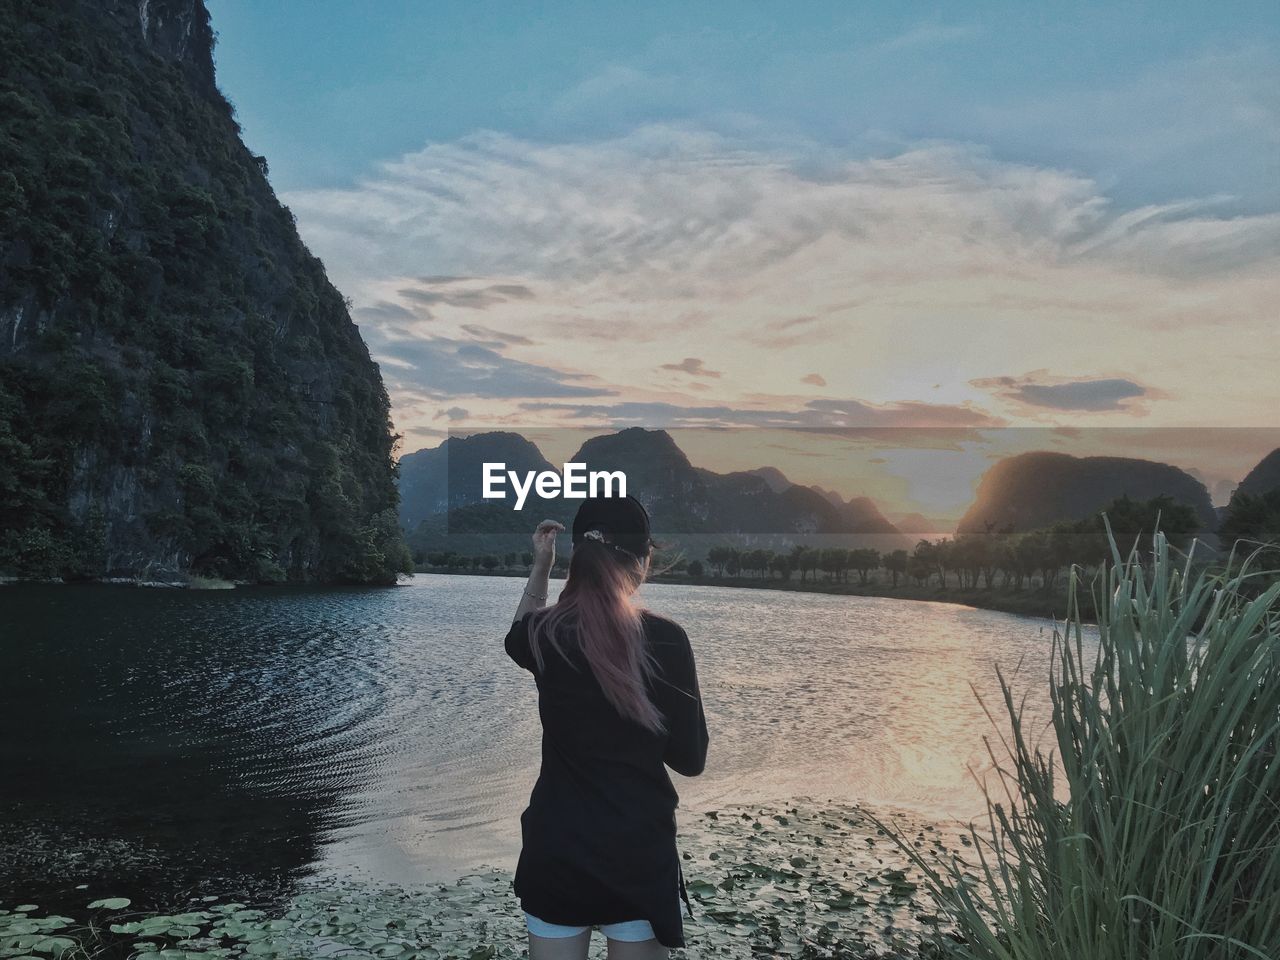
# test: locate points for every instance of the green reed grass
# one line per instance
(1150, 828)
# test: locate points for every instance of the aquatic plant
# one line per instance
(807, 881)
(1150, 828)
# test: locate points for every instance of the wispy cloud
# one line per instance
(445, 368)
(1208, 118)
(385, 311)
(500, 337)
(693, 367)
(1093, 395)
(930, 35)
(596, 262)
(815, 414)
(690, 209)
(448, 293)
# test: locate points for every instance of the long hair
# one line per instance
(597, 610)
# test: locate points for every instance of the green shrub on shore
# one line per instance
(1151, 827)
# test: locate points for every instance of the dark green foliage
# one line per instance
(975, 561)
(1251, 517)
(1144, 823)
(181, 389)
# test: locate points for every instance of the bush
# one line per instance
(1162, 838)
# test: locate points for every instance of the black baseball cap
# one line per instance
(623, 521)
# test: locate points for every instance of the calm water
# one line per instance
(160, 743)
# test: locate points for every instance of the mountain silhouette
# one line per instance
(436, 480)
(1034, 490)
(1263, 478)
(441, 490)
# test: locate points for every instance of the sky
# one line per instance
(953, 215)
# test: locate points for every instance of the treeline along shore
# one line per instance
(1027, 603)
(1022, 573)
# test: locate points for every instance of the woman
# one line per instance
(619, 702)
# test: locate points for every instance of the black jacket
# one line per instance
(600, 831)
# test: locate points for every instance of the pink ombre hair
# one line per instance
(597, 610)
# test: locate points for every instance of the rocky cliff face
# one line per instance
(181, 388)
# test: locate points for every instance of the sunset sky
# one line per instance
(952, 215)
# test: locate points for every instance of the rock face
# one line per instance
(1035, 490)
(183, 390)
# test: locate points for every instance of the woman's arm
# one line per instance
(544, 557)
(686, 750)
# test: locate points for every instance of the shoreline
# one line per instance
(803, 878)
(189, 583)
(1027, 603)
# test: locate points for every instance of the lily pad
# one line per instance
(806, 880)
(55, 946)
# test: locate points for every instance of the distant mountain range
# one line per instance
(1034, 490)
(441, 489)
(441, 492)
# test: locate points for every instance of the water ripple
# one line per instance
(385, 731)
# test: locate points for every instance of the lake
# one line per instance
(164, 743)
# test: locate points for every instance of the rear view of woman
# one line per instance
(619, 702)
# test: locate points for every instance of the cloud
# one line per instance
(692, 366)
(817, 379)
(848, 414)
(481, 298)
(445, 368)
(615, 87)
(453, 413)
(385, 310)
(930, 266)
(791, 332)
(398, 362)
(929, 35)
(678, 213)
(498, 336)
(1088, 395)
(1176, 125)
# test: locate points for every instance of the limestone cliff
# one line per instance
(181, 388)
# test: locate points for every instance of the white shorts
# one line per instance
(630, 931)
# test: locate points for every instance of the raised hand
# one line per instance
(544, 543)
